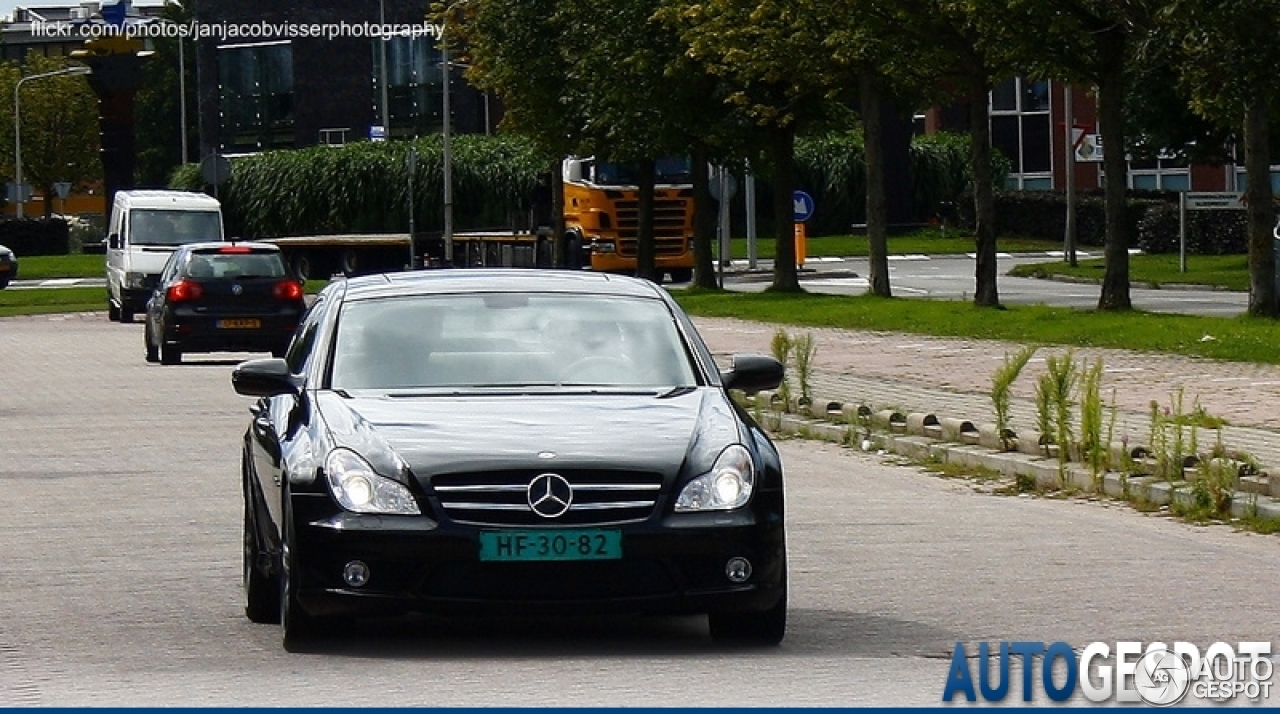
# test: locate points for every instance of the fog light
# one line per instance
(738, 570)
(356, 574)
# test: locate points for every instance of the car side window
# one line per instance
(304, 339)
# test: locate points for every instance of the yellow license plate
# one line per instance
(239, 324)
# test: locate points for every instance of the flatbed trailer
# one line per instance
(348, 254)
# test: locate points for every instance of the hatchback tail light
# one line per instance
(184, 290)
(287, 290)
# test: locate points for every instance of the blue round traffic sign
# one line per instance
(803, 206)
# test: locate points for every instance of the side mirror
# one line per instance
(266, 377)
(113, 241)
(753, 373)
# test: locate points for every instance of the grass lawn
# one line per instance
(926, 241)
(1230, 272)
(1240, 339)
(77, 265)
(34, 302)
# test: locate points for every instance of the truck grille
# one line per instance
(668, 218)
(500, 498)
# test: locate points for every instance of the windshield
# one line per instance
(671, 169)
(156, 227)
(509, 340)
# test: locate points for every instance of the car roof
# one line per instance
(167, 200)
(491, 280)
(216, 245)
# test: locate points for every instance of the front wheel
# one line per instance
(261, 591)
(297, 627)
(113, 312)
(765, 628)
(681, 275)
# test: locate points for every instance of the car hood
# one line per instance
(449, 434)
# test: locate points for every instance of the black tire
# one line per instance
(681, 275)
(261, 591)
(297, 627)
(765, 628)
(126, 315)
(170, 354)
(113, 312)
(301, 266)
(153, 352)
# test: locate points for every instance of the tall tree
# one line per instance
(770, 54)
(1083, 42)
(159, 103)
(59, 126)
(1229, 60)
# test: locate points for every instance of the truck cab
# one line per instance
(145, 227)
(602, 213)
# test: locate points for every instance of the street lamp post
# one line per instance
(382, 78)
(447, 158)
(17, 128)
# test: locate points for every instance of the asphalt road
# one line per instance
(122, 588)
(952, 278)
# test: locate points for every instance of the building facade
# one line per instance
(261, 91)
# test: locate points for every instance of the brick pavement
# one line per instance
(952, 378)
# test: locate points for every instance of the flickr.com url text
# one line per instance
(235, 31)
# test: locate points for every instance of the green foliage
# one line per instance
(363, 187)
(781, 347)
(803, 350)
(59, 125)
(1042, 214)
(1001, 384)
(1093, 447)
(1058, 383)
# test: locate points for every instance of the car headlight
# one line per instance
(357, 488)
(728, 485)
(135, 280)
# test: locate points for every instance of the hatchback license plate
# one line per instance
(548, 544)
(239, 324)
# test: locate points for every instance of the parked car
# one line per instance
(509, 441)
(8, 266)
(213, 297)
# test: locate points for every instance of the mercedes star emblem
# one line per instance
(550, 495)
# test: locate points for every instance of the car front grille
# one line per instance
(501, 498)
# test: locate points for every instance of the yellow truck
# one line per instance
(602, 215)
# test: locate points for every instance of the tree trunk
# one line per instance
(1262, 262)
(985, 293)
(1111, 92)
(704, 221)
(877, 205)
(645, 249)
(782, 150)
(557, 214)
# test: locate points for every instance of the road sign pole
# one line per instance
(1182, 232)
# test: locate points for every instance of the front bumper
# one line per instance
(671, 565)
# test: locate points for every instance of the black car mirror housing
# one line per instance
(753, 373)
(266, 377)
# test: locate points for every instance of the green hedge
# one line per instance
(1042, 214)
(363, 187)
(36, 236)
(1208, 232)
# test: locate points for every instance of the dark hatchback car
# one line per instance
(8, 267)
(488, 441)
(214, 297)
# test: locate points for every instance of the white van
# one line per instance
(145, 227)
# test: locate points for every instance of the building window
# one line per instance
(1165, 173)
(414, 100)
(255, 84)
(1020, 129)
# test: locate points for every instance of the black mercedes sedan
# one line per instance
(506, 441)
(222, 296)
